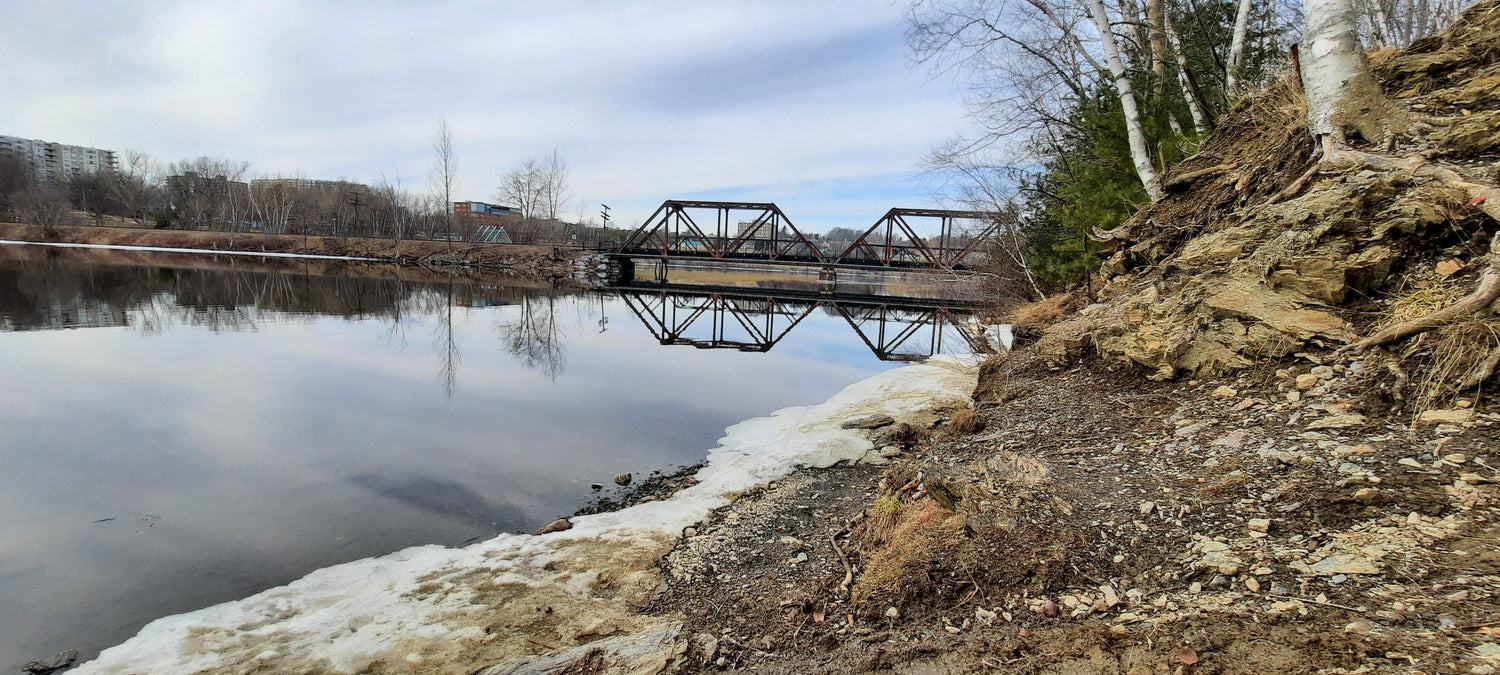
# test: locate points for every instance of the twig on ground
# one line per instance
(844, 560)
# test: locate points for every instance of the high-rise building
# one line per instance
(50, 162)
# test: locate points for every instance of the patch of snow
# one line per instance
(433, 609)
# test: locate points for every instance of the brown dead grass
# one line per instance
(963, 423)
(1449, 355)
(897, 570)
(1043, 314)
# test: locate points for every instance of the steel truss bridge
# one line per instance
(751, 320)
(760, 231)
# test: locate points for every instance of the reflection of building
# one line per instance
(79, 313)
(55, 162)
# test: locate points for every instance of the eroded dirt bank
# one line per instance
(1105, 523)
(518, 260)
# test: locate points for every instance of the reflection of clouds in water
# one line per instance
(442, 496)
(317, 435)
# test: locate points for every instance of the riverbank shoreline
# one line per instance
(110, 255)
(516, 259)
(1285, 519)
(519, 599)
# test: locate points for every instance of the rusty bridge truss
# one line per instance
(893, 242)
(753, 321)
(740, 231)
(756, 231)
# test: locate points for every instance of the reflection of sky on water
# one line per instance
(247, 449)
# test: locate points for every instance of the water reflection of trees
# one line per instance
(535, 337)
(53, 293)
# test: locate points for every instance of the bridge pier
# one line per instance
(621, 269)
(828, 280)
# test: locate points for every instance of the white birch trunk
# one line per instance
(1138, 152)
(1332, 68)
(1237, 48)
(1200, 120)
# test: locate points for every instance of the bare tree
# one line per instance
(445, 175)
(1396, 23)
(274, 202)
(538, 186)
(207, 192)
(555, 192)
(1184, 81)
(523, 187)
(132, 185)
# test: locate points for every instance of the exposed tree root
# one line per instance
(1482, 297)
(1338, 156)
(1183, 180)
(1481, 372)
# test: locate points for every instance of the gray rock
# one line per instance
(871, 422)
(622, 479)
(56, 662)
(555, 526)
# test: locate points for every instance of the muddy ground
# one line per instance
(1105, 523)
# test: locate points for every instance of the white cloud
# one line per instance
(645, 99)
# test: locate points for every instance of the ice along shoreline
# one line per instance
(432, 609)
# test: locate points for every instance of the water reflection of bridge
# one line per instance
(755, 320)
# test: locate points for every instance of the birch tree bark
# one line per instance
(1341, 93)
(1237, 49)
(1156, 11)
(1200, 120)
(1138, 153)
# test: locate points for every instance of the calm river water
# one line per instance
(180, 430)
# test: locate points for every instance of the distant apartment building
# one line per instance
(49, 162)
(307, 184)
(191, 185)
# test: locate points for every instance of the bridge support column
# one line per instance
(828, 280)
(661, 270)
(621, 269)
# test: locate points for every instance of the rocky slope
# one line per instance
(1226, 269)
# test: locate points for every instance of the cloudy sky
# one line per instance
(809, 104)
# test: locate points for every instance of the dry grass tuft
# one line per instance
(924, 533)
(1449, 355)
(904, 435)
(962, 424)
(1418, 297)
(1225, 485)
(1045, 313)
